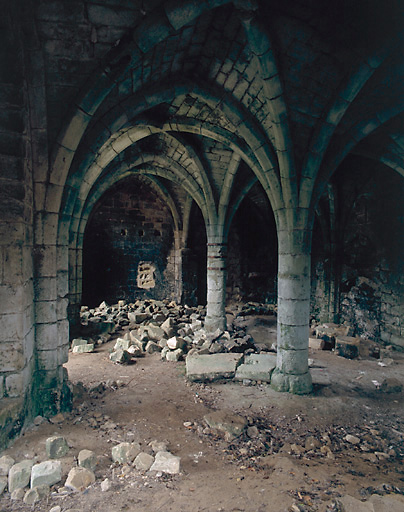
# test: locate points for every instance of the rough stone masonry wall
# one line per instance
(17, 335)
(129, 247)
(365, 273)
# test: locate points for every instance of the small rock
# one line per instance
(312, 443)
(57, 419)
(17, 494)
(87, 459)
(166, 462)
(231, 424)
(125, 452)
(352, 439)
(120, 356)
(391, 385)
(105, 485)
(158, 446)
(152, 347)
(56, 509)
(38, 420)
(252, 432)
(3, 484)
(6, 462)
(36, 494)
(79, 479)
(143, 461)
(56, 447)
(174, 355)
(46, 473)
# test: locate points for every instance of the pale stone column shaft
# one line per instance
(292, 371)
(216, 286)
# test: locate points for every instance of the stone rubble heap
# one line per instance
(149, 326)
(32, 481)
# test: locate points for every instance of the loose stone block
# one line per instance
(210, 367)
(87, 459)
(346, 346)
(167, 463)
(3, 484)
(79, 479)
(6, 462)
(233, 425)
(56, 447)
(174, 355)
(256, 367)
(120, 356)
(125, 452)
(122, 344)
(144, 461)
(82, 349)
(19, 475)
(36, 494)
(46, 473)
(152, 347)
(176, 342)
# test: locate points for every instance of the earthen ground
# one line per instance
(154, 400)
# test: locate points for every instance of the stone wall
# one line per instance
(129, 246)
(17, 333)
(358, 268)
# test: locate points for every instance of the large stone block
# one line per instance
(210, 367)
(166, 462)
(257, 367)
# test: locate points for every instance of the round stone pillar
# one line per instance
(216, 286)
(292, 371)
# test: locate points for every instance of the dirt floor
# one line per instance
(293, 455)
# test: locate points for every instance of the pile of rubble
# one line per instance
(31, 481)
(149, 326)
(341, 339)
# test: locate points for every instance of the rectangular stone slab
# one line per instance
(210, 367)
(257, 367)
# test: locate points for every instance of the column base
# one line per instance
(212, 323)
(289, 383)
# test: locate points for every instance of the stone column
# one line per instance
(216, 281)
(292, 372)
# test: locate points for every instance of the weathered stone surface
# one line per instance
(152, 347)
(391, 385)
(346, 346)
(138, 318)
(210, 367)
(120, 356)
(48, 473)
(388, 503)
(3, 484)
(17, 494)
(6, 462)
(168, 327)
(105, 485)
(352, 439)
(125, 452)
(155, 332)
(79, 479)
(256, 367)
(174, 355)
(158, 446)
(56, 447)
(176, 342)
(19, 475)
(122, 344)
(350, 504)
(167, 463)
(78, 341)
(36, 494)
(144, 461)
(82, 349)
(87, 459)
(233, 425)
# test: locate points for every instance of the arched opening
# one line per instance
(252, 251)
(194, 263)
(128, 249)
